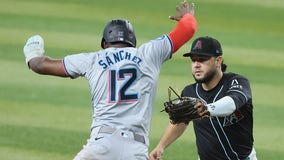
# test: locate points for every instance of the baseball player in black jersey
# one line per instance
(228, 133)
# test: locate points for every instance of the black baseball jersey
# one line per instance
(229, 137)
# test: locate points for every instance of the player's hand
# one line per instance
(156, 154)
(202, 110)
(182, 9)
(34, 47)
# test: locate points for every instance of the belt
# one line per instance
(109, 130)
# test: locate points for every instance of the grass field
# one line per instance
(45, 117)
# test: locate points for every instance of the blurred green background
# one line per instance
(45, 117)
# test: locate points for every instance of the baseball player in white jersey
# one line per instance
(123, 81)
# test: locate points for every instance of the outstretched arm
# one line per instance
(171, 133)
(186, 26)
(35, 59)
(48, 66)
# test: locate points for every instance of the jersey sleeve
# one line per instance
(183, 32)
(76, 65)
(239, 89)
(157, 51)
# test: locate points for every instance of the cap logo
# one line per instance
(120, 33)
(198, 45)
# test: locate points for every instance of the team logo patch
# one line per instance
(161, 38)
(233, 118)
(198, 45)
(120, 33)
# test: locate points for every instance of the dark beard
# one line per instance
(207, 78)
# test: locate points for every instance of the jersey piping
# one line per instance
(213, 126)
(63, 62)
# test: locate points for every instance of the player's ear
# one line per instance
(219, 59)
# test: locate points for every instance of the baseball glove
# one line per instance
(185, 109)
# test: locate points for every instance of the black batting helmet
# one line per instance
(119, 30)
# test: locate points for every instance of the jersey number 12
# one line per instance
(127, 77)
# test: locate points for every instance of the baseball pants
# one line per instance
(252, 155)
(107, 143)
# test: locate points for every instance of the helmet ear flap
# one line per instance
(102, 43)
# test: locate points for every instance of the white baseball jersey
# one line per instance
(123, 83)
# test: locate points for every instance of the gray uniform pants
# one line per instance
(108, 143)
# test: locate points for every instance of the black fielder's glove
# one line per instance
(185, 109)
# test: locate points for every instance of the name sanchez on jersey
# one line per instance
(118, 57)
